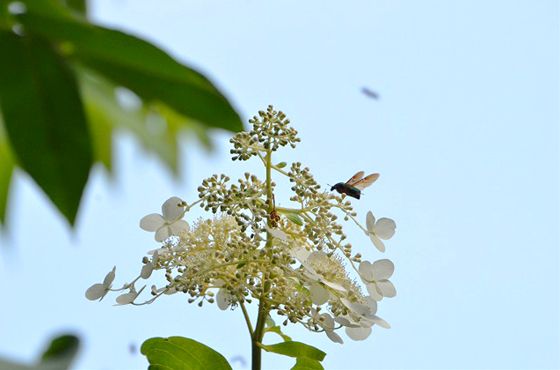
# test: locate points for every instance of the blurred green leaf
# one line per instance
(140, 66)
(7, 165)
(182, 353)
(60, 353)
(295, 349)
(106, 115)
(79, 6)
(59, 356)
(303, 363)
(44, 119)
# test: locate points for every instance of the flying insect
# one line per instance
(353, 187)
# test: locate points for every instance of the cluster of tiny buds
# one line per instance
(270, 131)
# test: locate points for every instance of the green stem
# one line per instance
(247, 319)
(263, 307)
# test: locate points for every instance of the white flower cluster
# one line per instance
(293, 261)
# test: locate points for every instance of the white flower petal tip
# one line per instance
(385, 228)
(319, 295)
(173, 209)
(95, 292)
(377, 242)
(98, 291)
(380, 322)
(169, 223)
(370, 222)
(360, 333)
(128, 298)
(277, 233)
(334, 337)
(152, 222)
(223, 299)
(147, 270)
(383, 269)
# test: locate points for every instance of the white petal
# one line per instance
(170, 291)
(374, 292)
(387, 288)
(179, 227)
(223, 299)
(151, 222)
(126, 298)
(357, 308)
(319, 295)
(146, 271)
(345, 322)
(109, 278)
(163, 233)
(385, 228)
(278, 234)
(334, 337)
(95, 292)
(219, 283)
(377, 242)
(172, 209)
(358, 333)
(326, 321)
(379, 321)
(301, 254)
(366, 271)
(383, 269)
(370, 222)
(372, 304)
(311, 275)
(334, 286)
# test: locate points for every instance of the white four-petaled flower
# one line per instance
(384, 228)
(98, 291)
(326, 322)
(361, 318)
(376, 277)
(169, 223)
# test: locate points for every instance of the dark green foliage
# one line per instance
(58, 109)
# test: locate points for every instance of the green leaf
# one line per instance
(60, 353)
(294, 218)
(281, 165)
(278, 330)
(140, 66)
(182, 353)
(79, 6)
(59, 356)
(7, 165)
(44, 119)
(296, 349)
(106, 115)
(303, 363)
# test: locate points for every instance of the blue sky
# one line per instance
(465, 137)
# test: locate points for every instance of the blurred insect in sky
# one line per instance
(370, 93)
(353, 187)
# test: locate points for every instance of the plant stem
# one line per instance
(247, 318)
(258, 336)
(263, 307)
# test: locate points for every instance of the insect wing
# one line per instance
(354, 179)
(366, 181)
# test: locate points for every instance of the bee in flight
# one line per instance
(353, 187)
